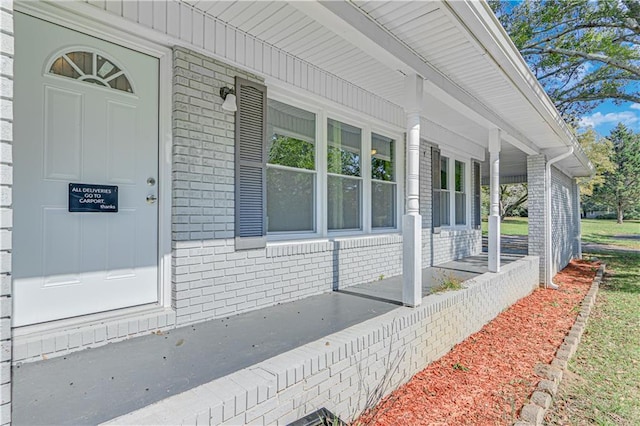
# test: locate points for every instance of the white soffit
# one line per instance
(437, 34)
(284, 26)
(428, 29)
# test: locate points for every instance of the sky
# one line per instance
(607, 116)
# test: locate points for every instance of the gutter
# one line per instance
(548, 249)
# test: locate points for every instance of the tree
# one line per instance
(621, 187)
(582, 51)
(513, 198)
(600, 152)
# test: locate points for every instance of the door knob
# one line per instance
(151, 199)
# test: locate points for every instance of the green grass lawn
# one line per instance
(599, 231)
(605, 232)
(509, 226)
(603, 383)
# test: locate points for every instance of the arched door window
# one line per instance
(92, 68)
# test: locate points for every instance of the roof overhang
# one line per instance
(475, 79)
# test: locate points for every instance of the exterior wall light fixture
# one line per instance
(229, 96)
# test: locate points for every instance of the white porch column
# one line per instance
(412, 221)
(494, 212)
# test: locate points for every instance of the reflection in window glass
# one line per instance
(291, 136)
(344, 152)
(290, 200)
(344, 148)
(382, 158)
(461, 211)
(344, 203)
(444, 173)
(383, 205)
(291, 168)
(383, 186)
(445, 196)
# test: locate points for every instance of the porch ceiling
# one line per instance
(436, 32)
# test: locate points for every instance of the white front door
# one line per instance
(86, 112)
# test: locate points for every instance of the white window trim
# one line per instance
(452, 157)
(368, 125)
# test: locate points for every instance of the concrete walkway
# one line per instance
(518, 244)
(96, 385)
(510, 244)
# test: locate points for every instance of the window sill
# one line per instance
(334, 242)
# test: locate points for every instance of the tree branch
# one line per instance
(587, 25)
(597, 97)
(590, 56)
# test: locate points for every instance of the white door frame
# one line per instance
(95, 22)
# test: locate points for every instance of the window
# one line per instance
(316, 172)
(383, 178)
(291, 168)
(449, 191)
(476, 195)
(91, 68)
(445, 195)
(460, 206)
(344, 181)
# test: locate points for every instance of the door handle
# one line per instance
(151, 199)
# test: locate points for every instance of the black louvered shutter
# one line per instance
(435, 189)
(476, 195)
(251, 122)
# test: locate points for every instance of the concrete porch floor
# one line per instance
(95, 385)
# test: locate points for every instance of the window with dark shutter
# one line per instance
(436, 185)
(250, 132)
(476, 195)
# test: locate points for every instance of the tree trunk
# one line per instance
(620, 213)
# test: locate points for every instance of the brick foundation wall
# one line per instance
(342, 371)
(6, 212)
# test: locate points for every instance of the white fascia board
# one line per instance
(348, 21)
(479, 21)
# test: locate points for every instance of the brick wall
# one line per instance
(210, 278)
(536, 204)
(6, 173)
(565, 215)
(345, 370)
(454, 244)
(565, 218)
(449, 244)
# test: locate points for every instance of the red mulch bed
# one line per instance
(486, 379)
